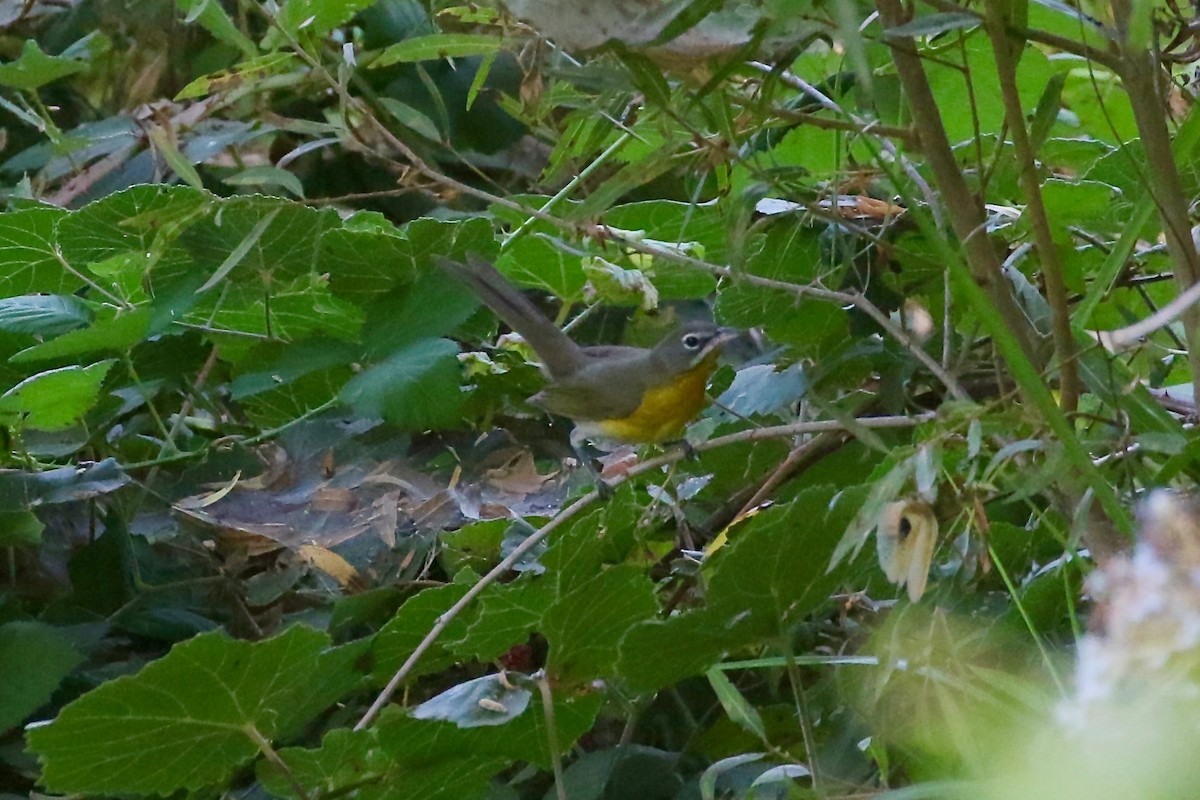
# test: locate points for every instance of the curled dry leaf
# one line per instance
(904, 538)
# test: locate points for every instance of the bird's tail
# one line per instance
(560, 355)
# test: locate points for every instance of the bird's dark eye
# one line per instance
(692, 341)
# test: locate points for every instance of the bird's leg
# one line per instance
(577, 445)
(685, 447)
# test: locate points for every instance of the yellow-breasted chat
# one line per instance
(612, 393)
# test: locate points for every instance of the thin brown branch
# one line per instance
(1140, 74)
(965, 210)
(1052, 270)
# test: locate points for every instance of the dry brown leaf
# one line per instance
(332, 565)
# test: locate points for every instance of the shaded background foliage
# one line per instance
(258, 445)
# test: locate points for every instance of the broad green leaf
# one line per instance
(435, 47)
(34, 68)
(591, 614)
(130, 237)
(965, 110)
(28, 261)
(507, 616)
(19, 528)
(432, 306)
(396, 641)
(276, 366)
(405, 757)
(417, 387)
(210, 695)
(285, 247)
(54, 399)
(34, 658)
(43, 314)
(117, 334)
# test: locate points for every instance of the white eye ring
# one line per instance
(692, 341)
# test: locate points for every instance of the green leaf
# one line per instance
(312, 18)
(286, 247)
(416, 388)
(411, 118)
(735, 704)
(34, 68)
(164, 143)
(239, 252)
(209, 696)
(20, 528)
(117, 334)
(54, 399)
(594, 610)
(265, 175)
(34, 658)
(436, 47)
(28, 261)
(212, 17)
(433, 306)
(396, 641)
(43, 314)
(242, 74)
(773, 573)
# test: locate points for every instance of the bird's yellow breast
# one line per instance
(664, 409)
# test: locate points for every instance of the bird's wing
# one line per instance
(609, 385)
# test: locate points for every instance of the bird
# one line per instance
(612, 393)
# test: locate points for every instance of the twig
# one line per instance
(543, 684)
(535, 538)
(1052, 270)
(965, 211)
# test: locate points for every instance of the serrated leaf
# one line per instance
(396, 641)
(210, 695)
(593, 612)
(54, 399)
(28, 261)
